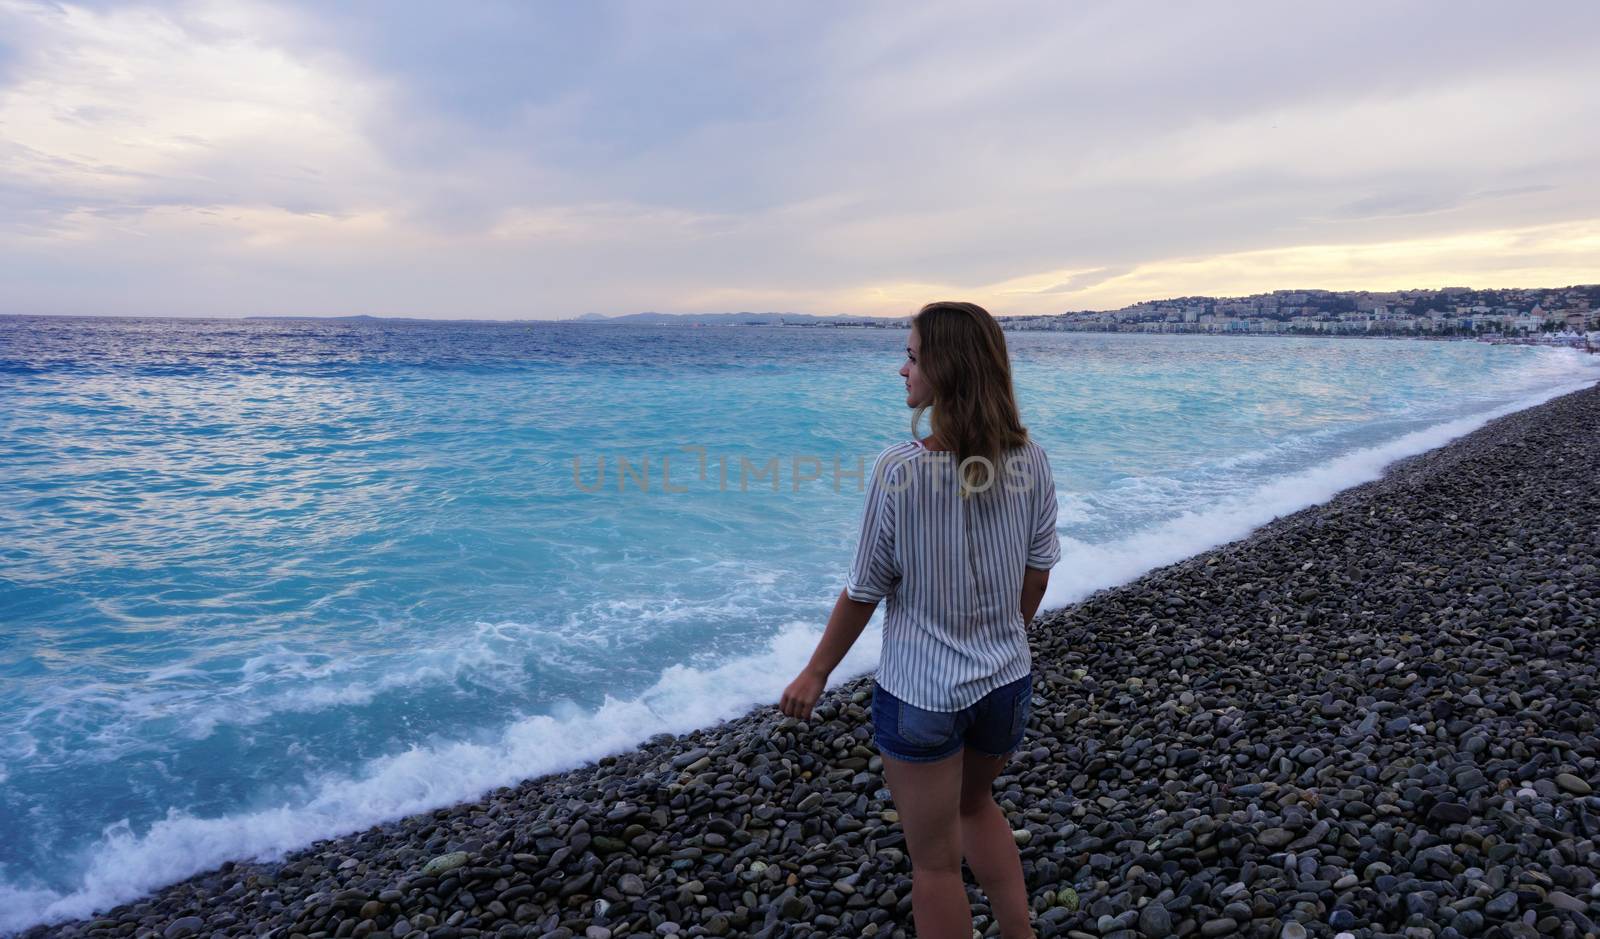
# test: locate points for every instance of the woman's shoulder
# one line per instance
(901, 451)
(894, 456)
(1029, 449)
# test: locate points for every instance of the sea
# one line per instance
(264, 582)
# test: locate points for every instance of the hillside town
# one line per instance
(1560, 314)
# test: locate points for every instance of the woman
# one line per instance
(959, 535)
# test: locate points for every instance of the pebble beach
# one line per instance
(1375, 717)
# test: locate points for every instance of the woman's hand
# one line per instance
(848, 619)
(802, 694)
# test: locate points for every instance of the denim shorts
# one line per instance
(993, 725)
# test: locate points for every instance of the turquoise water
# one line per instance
(263, 582)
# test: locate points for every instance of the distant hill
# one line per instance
(727, 319)
(634, 319)
(362, 318)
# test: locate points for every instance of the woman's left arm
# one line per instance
(874, 574)
(844, 627)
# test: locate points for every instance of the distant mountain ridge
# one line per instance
(361, 318)
(1278, 305)
(647, 319)
(738, 319)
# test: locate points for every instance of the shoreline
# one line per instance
(650, 831)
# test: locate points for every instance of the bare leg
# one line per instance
(990, 848)
(927, 796)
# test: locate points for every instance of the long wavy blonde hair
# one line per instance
(963, 357)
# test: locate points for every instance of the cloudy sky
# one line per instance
(525, 160)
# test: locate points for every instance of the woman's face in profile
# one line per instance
(917, 391)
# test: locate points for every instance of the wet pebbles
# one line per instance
(1376, 717)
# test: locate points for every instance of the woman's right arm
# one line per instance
(1034, 582)
(1044, 550)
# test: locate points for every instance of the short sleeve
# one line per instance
(875, 572)
(1044, 550)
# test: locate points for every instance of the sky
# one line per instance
(545, 160)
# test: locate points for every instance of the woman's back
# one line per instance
(950, 547)
(951, 569)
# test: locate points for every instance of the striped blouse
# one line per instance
(951, 570)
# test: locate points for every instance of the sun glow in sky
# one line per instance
(543, 160)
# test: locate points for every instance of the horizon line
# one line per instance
(604, 317)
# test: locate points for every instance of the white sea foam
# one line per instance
(125, 864)
(1085, 568)
(282, 680)
(273, 682)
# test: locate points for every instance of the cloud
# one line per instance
(1059, 282)
(1547, 255)
(505, 159)
(1420, 201)
(132, 107)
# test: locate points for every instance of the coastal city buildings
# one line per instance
(1555, 315)
(1560, 312)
